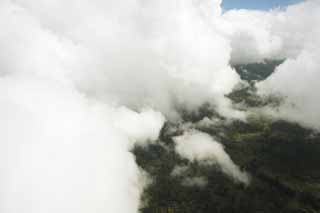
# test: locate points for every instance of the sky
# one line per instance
(256, 4)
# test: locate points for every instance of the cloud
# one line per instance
(200, 147)
(138, 53)
(195, 182)
(289, 33)
(60, 152)
(82, 81)
(139, 127)
(299, 85)
(296, 79)
(252, 39)
(279, 33)
(179, 171)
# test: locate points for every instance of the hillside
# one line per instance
(281, 158)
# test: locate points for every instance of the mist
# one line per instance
(284, 33)
(200, 147)
(82, 82)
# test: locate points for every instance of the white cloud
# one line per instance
(60, 152)
(139, 127)
(195, 181)
(80, 81)
(198, 146)
(290, 33)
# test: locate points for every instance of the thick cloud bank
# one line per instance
(200, 147)
(61, 152)
(293, 34)
(298, 78)
(81, 81)
(134, 52)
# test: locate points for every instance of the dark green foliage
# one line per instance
(282, 158)
(247, 94)
(206, 110)
(249, 98)
(257, 71)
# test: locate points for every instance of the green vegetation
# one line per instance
(257, 71)
(282, 158)
(247, 96)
